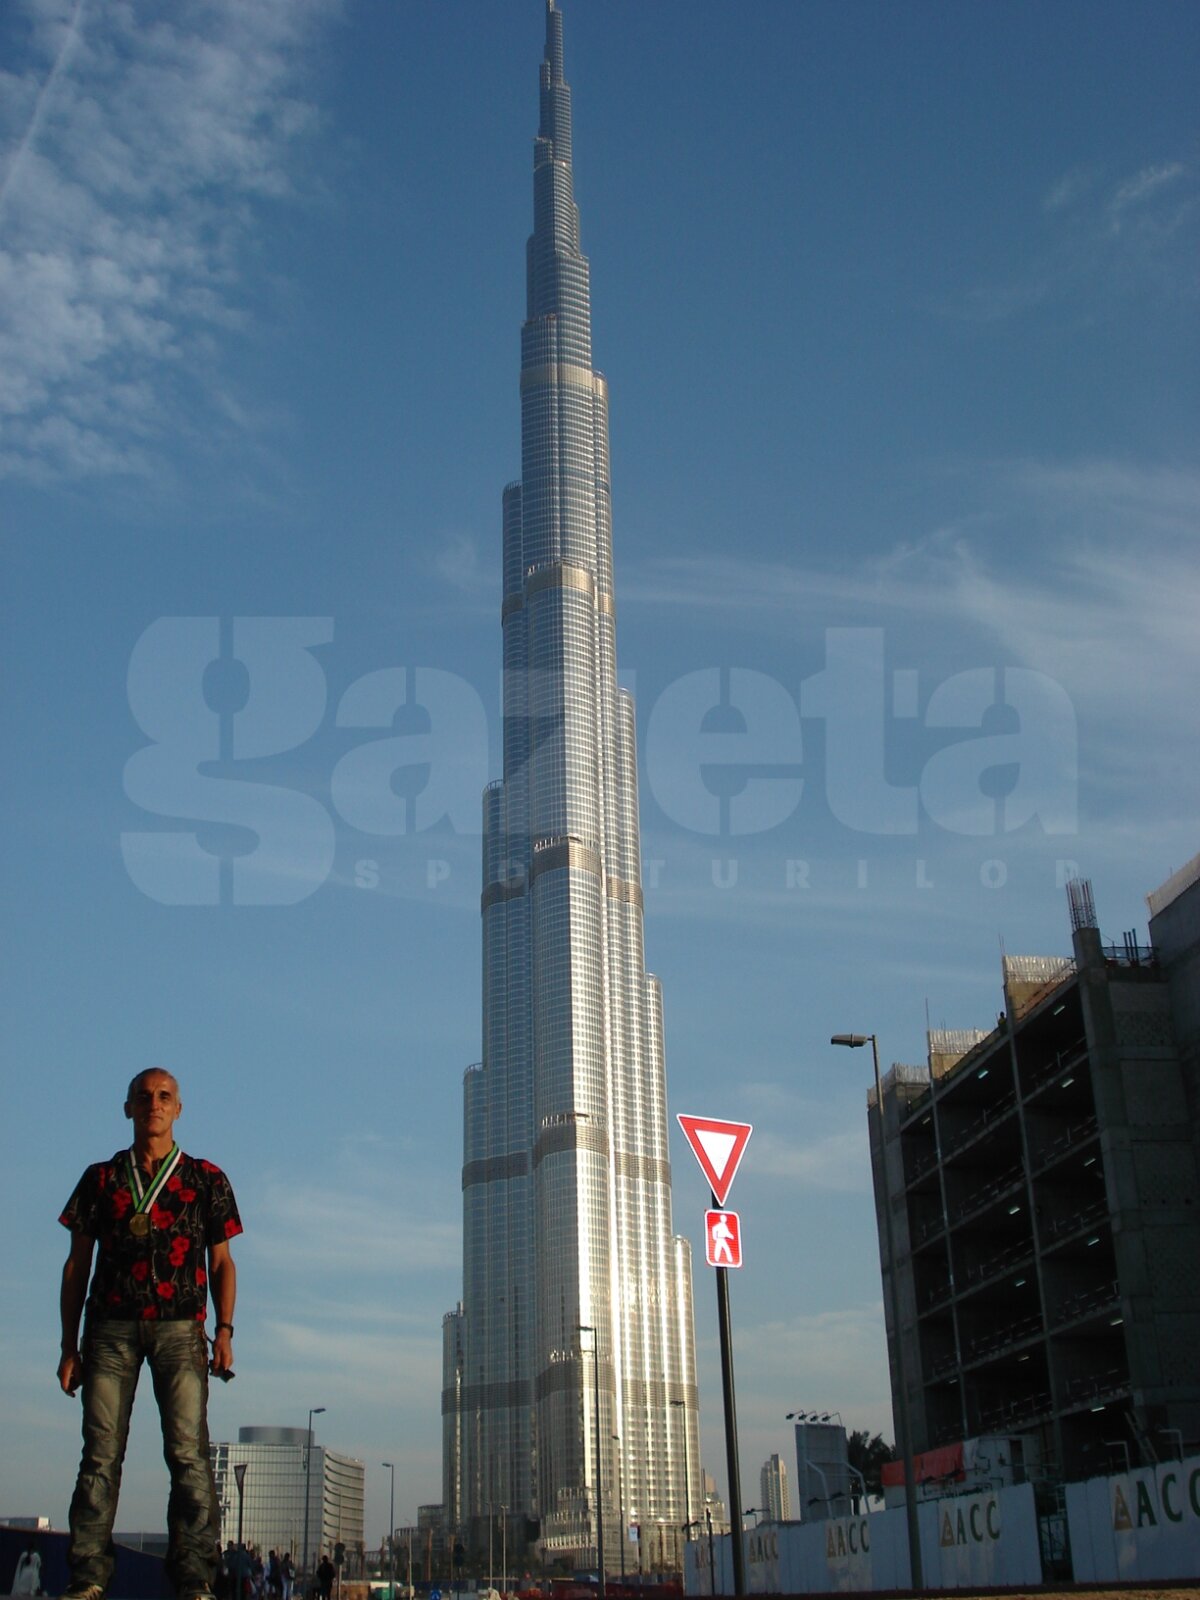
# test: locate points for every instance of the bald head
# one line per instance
(149, 1072)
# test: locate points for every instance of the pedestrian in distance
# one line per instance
(325, 1575)
(159, 1223)
(28, 1577)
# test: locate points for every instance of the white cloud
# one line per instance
(1082, 571)
(378, 1223)
(140, 145)
(456, 560)
(837, 1162)
(1069, 189)
(835, 1360)
(1134, 191)
(1099, 241)
(360, 1363)
(1115, 563)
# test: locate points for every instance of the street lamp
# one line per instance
(812, 1466)
(391, 1466)
(855, 1041)
(616, 1439)
(504, 1549)
(599, 1465)
(313, 1411)
(687, 1471)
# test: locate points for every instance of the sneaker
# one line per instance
(83, 1591)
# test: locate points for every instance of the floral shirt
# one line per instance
(162, 1274)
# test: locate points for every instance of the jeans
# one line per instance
(113, 1353)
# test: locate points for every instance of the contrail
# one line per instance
(35, 120)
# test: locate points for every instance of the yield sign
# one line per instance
(718, 1147)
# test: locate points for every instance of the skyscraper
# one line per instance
(773, 1481)
(569, 1387)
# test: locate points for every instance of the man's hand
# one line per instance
(222, 1356)
(70, 1371)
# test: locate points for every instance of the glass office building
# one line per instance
(278, 1473)
(569, 1391)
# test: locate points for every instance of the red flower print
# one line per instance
(149, 1313)
(139, 1271)
(208, 1166)
(232, 1228)
(166, 1291)
(121, 1201)
(159, 1217)
(201, 1279)
(187, 1196)
(174, 1183)
(179, 1250)
(102, 1178)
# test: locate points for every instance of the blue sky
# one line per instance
(898, 306)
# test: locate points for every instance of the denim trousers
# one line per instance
(177, 1354)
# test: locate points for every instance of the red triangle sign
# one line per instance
(718, 1147)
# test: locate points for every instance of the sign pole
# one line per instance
(731, 1443)
(718, 1146)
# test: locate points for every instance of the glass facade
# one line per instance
(277, 1474)
(576, 1295)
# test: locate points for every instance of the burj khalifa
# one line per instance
(569, 1402)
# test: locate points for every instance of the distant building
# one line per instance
(423, 1552)
(1043, 1180)
(713, 1509)
(825, 1485)
(152, 1540)
(776, 1502)
(277, 1474)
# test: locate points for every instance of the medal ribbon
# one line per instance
(147, 1197)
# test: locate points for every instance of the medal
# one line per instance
(139, 1222)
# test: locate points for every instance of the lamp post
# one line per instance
(616, 1439)
(599, 1467)
(391, 1466)
(687, 1470)
(503, 1550)
(855, 1041)
(811, 1466)
(313, 1411)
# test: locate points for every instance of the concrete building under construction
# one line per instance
(1043, 1180)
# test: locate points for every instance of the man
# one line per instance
(163, 1221)
(325, 1575)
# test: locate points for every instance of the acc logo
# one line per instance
(848, 1539)
(1170, 1498)
(980, 1521)
(763, 1545)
